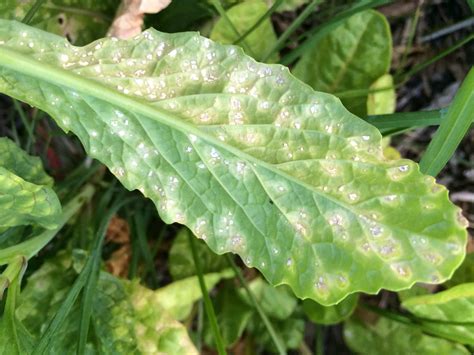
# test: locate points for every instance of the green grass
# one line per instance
(91, 197)
(452, 129)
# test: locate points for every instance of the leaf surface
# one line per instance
(453, 305)
(332, 314)
(243, 16)
(181, 262)
(465, 273)
(276, 302)
(288, 5)
(126, 318)
(253, 161)
(178, 297)
(391, 337)
(351, 57)
(25, 193)
(382, 100)
(14, 339)
(233, 315)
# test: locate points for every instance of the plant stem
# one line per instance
(469, 22)
(292, 28)
(220, 9)
(211, 315)
(266, 15)
(411, 37)
(24, 120)
(403, 77)
(276, 340)
(29, 16)
(14, 270)
(452, 129)
(140, 224)
(319, 340)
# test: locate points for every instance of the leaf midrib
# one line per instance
(74, 82)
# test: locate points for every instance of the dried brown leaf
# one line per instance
(128, 21)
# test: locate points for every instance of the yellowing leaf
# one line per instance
(383, 101)
(249, 158)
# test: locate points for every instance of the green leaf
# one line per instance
(288, 5)
(290, 331)
(181, 261)
(125, 319)
(390, 337)
(18, 162)
(233, 314)
(383, 101)
(352, 56)
(465, 273)
(25, 193)
(276, 302)
(453, 305)
(81, 21)
(332, 314)
(14, 339)
(178, 297)
(250, 159)
(41, 298)
(39, 238)
(243, 16)
(415, 290)
(191, 14)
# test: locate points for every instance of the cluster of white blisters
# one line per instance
(136, 77)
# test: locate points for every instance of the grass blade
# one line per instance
(276, 339)
(140, 222)
(403, 77)
(452, 129)
(29, 16)
(220, 9)
(411, 37)
(64, 309)
(207, 300)
(28, 127)
(294, 26)
(407, 119)
(267, 14)
(91, 283)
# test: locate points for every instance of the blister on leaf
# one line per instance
(249, 158)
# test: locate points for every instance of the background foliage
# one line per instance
(109, 275)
